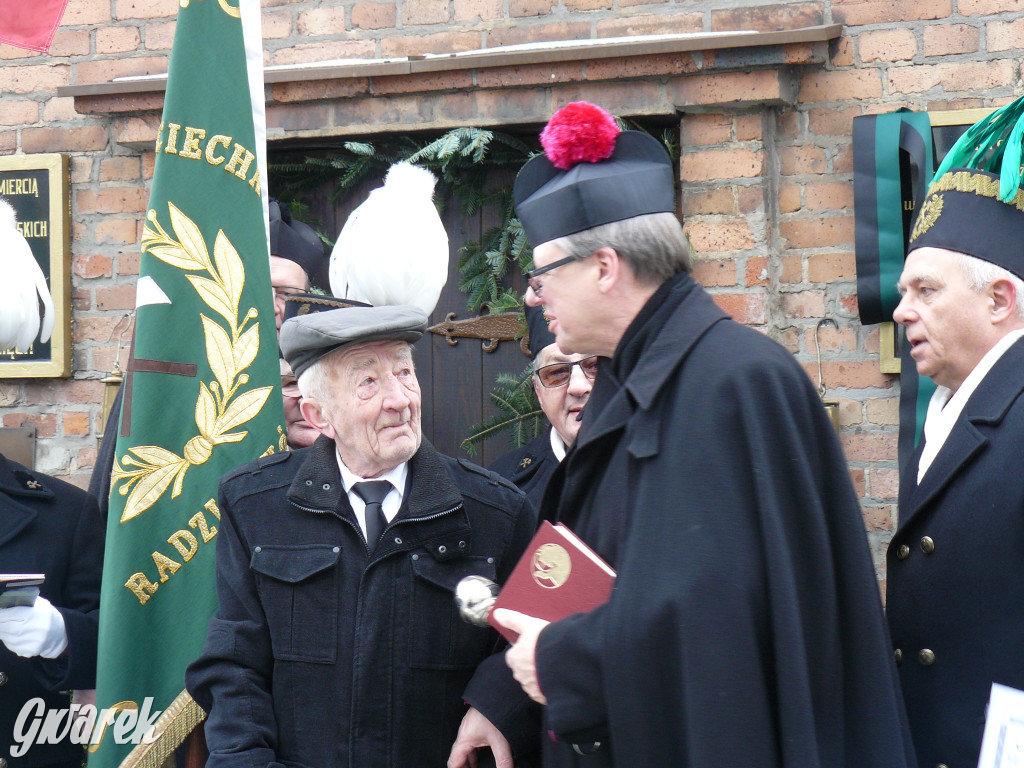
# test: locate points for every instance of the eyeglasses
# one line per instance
(533, 274)
(558, 374)
(283, 291)
(290, 389)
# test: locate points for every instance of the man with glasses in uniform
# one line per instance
(562, 384)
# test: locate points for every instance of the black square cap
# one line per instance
(637, 179)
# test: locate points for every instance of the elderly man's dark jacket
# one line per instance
(320, 655)
(955, 575)
(745, 627)
(529, 467)
(51, 527)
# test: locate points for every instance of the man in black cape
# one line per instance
(745, 627)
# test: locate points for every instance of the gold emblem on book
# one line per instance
(551, 565)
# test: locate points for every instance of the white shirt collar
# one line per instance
(945, 407)
(557, 446)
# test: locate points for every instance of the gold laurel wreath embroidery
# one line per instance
(930, 212)
(230, 10)
(221, 407)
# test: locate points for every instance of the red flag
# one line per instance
(30, 23)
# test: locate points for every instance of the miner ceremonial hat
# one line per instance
(591, 174)
(540, 336)
(298, 304)
(307, 338)
(293, 240)
(975, 204)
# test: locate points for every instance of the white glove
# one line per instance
(36, 630)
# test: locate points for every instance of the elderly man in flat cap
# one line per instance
(745, 627)
(337, 641)
(955, 566)
(562, 384)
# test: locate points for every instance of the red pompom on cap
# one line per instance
(579, 132)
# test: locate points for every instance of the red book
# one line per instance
(557, 575)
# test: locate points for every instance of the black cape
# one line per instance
(745, 628)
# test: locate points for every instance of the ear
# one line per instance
(313, 413)
(611, 269)
(1004, 300)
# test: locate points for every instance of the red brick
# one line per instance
(117, 39)
(374, 15)
(298, 117)
(855, 14)
(276, 25)
(10, 394)
(629, 98)
(529, 74)
(79, 12)
(831, 122)
(81, 301)
(749, 127)
(831, 267)
(756, 272)
(138, 131)
(829, 196)
(794, 161)
(696, 130)
(842, 162)
(116, 231)
(885, 483)
(104, 358)
(961, 76)
(877, 518)
(868, 447)
(60, 109)
(13, 53)
(424, 12)
(746, 308)
(817, 233)
(587, 5)
(145, 9)
(711, 165)
(840, 86)
(45, 423)
(804, 304)
(662, 24)
(111, 200)
(768, 18)
(19, 112)
(884, 411)
(335, 49)
(987, 7)
(830, 339)
(316, 90)
(482, 10)
(720, 236)
(716, 272)
(850, 374)
(843, 52)
(70, 42)
(321, 21)
(641, 66)
(887, 45)
(703, 199)
(1003, 35)
(76, 423)
(948, 39)
(750, 199)
(89, 137)
(37, 77)
(91, 265)
(128, 263)
(857, 479)
(760, 86)
(160, 35)
(519, 8)
(122, 168)
(789, 198)
(117, 297)
(540, 33)
(105, 70)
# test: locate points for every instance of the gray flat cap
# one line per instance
(307, 338)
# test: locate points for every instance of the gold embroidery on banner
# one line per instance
(230, 10)
(931, 209)
(221, 406)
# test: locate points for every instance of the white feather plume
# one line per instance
(393, 249)
(22, 287)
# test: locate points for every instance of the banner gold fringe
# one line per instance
(171, 728)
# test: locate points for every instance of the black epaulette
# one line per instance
(492, 477)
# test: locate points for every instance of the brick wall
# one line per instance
(766, 153)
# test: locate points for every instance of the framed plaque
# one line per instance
(37, 187)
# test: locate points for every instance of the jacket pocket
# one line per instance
(440, 638)
(298, 587)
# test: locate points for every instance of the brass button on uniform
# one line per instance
(903, 552)
(898, 655)
(926, 656)
(927, 545)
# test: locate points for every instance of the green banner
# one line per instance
(202, 390)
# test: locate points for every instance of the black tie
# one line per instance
(373, 493)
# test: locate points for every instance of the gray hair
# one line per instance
(653, 245)
(980, 274)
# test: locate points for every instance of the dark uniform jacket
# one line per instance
(51, 527)
(745, 627)
(320, 655)
(529, 467)
(955, 578)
